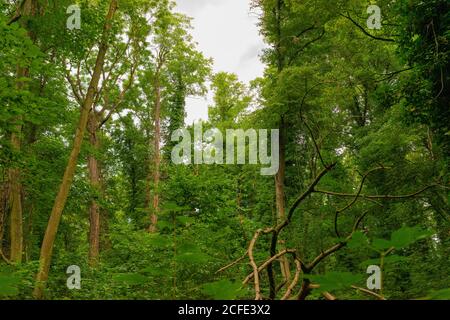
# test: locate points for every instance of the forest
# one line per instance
(327, 178)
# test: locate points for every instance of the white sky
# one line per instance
(226, 31)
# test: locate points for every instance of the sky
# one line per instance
(225, 31)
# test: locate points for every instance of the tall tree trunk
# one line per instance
(280, 176)
(28, 9)
(16, 227)
(94, 176)
(280, 195)
(61, 198)
(157, 154)
(3, 209)
(16, 214)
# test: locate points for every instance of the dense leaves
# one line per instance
(363, 115)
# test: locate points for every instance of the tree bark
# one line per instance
(27, 9)
(157, 155)
(60, 201)
(94, 177)
(280, 195)
(15, 197)
(280, 176)
(3, 209)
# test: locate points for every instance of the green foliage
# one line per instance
(223, 290)
(335, 280)
(339, 95)
(9, 284)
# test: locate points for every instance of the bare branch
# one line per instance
(364, 30)
(389, 197)
(267, 262)
(376, 295)
(4, 257)
(361, 185)
(254, 266)
(294, 282)
(233, 263)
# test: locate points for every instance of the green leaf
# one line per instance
(407, 236)
(223, 290)
(172, 207)
(160, 241)
(389, 259)
(8, 284)
(154, 271)
(381, 244)
(358, 240)
(443, 294)
(185, 220)
(164, 225)
(335, 280)
(193, 257)
(130, 278)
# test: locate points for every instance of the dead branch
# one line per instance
(376, 295)
(268, 262)
(364, 30)
(294, 282)
(233, 263)
(389, 197)
(254, 266)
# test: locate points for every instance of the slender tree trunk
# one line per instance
(16, 226)
(280, 176)
(60, 201)
(94, 176)
(157, 155)
(3, 209)
(148, 178)
(280, 195)
(27, 9)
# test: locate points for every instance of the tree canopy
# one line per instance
(88, 118)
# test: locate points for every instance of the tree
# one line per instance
(58, 207)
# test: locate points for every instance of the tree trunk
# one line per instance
(280, 195)
(157, 155)
(3, 209)
(27, 9)
(15, 196)
(280, 176)
(94, 176)
(60, 201)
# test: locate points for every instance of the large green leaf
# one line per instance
(381, 244)
(335, 280)
(358, 240)
(407, 236)
(389, 259)
(8, 284)
(223, 290)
